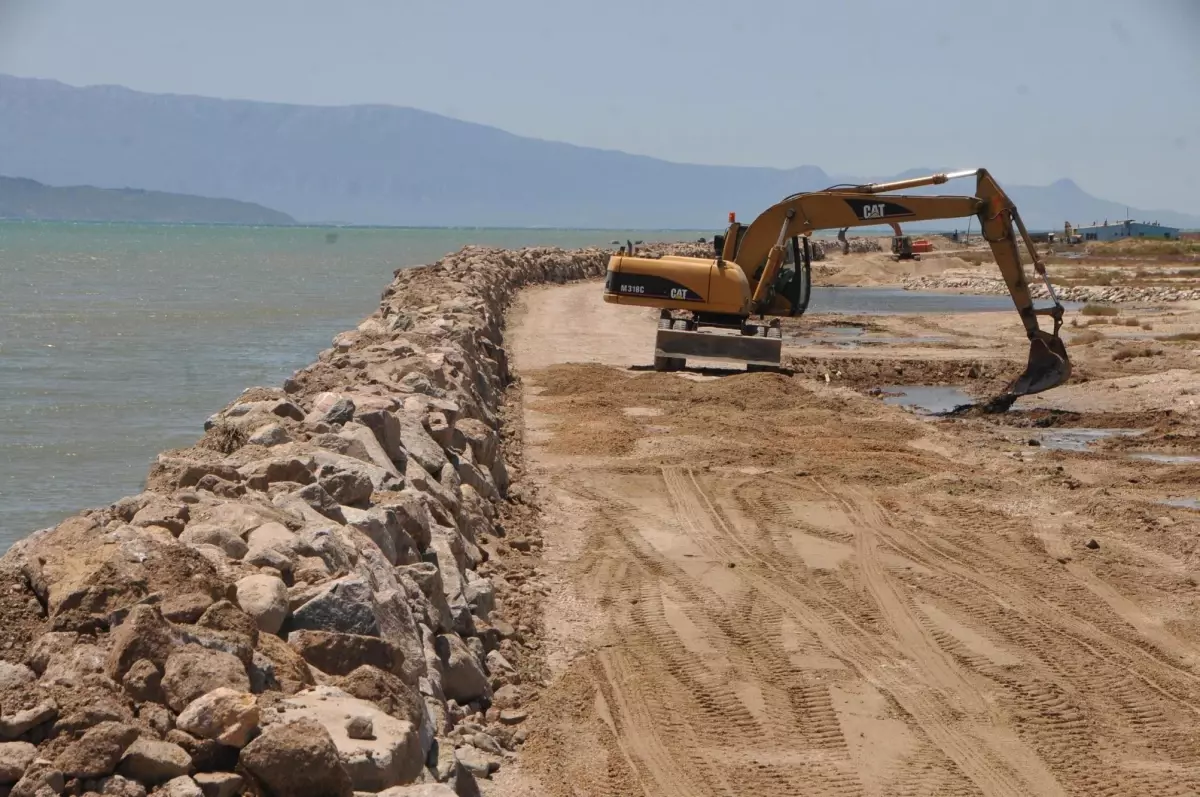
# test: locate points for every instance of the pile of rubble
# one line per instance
(1069, 293)
(325, 595)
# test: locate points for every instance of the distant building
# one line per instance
(1128, 228)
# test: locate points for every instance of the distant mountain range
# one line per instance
(22, 198)
(372, 164)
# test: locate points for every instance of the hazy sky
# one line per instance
(1106, 92)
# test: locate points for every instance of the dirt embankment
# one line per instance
(330, 593)
(771, 584)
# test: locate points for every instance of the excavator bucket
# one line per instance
(1048, 366)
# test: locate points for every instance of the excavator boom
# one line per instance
(759, 251)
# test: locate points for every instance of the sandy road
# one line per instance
(767, 586)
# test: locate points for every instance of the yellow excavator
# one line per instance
(729, 307)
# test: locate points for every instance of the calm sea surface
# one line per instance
(117, 341)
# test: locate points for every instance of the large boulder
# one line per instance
(386, 428)
(145, 635)
(343, 605)
(371, 447)
(224, 715)
(393, 756)
(297, 758)
(420, 446)
(192, 671)
(223, 537)
(182, 786)
(219, 784)
(289, 668)
(428, 578)
(338, 654)
(391, 695)
(15, 758)
(264, 598)
(262, 474)
(151, 761)
(463, 679)
(98, 751)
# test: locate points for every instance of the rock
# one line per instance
(513, 716)
(419, 790)
(380, 525)
(482, 440)
(172, 517)
(412, 515)
(145, 634)
(420, 445)
(497, 664)
(143, 682)
(291, 671)
(262, 674)
(480, 595)
(275, 536)
(15, 758)
(234, 643)
(346, 486)
(487, 744)
(341, 412)
(47, 647)
(186, 608)
(222, 537)
(22, 722)
(476, 761)
(393, 756)
(479, 480)
(344, 605)
(360, 728)
(41, 779)
(219, 784)
(120, 786)
(391, 695)
(97, 752)
(429, 579)
(15, 676)
(192, 671)
(335, 653)
(269, 435)
(382, 479)
(462, 677)
(260, 475)
(386, 428)
(156, 717)
(208, 755)
(1092, 544)
(297, 758)
(321, 502)
(225, 715)
(224, 616)
(269, 559)
(154, 762)
(372, 451)
(182, 786)
(507, 696)
(264, 598)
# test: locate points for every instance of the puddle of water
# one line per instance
(1185, 503)
(846, 330)
(1080, 439)
(1167, 459)
(926, 399)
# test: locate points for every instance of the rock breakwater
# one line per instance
(332, 592)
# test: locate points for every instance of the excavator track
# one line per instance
(759, 346)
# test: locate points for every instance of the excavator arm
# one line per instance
(761, 250)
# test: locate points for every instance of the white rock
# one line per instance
(264, 598)
(226, 715)
(394, 756)
(15, 758)
(183, 786)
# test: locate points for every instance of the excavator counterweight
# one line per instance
(729, 307)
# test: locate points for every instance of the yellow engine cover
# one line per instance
(678, 283)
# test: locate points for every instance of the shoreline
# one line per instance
(323, 551)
